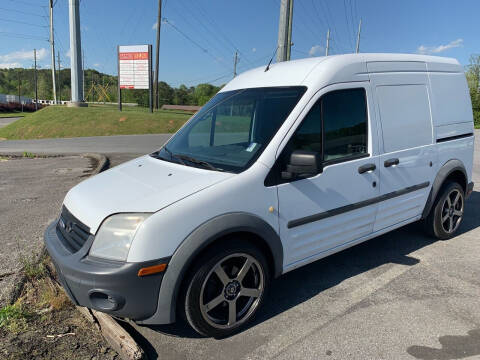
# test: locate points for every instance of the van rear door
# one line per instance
(407, 150)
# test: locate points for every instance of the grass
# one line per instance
(27, 154)
(34, 269)
(60, 121)
(12, 114)
(13, 318)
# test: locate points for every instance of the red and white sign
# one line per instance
(134, 67)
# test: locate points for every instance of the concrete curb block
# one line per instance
(103, 162)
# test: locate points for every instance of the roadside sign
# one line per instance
(134, 69)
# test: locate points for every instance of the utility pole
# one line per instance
(75, 54)
(20, 87)
(235, 62)
(58, 77)
(285, 30)
(157, 51)
(35, 78)
(358, 36)
(83, 76)
(289, 37)
(52, 48)
(328, 43)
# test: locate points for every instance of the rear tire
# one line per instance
(446, 214)
(226, 288)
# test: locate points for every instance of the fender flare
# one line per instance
(449, 167)
(197, 241)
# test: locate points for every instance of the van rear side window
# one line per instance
(405, 116)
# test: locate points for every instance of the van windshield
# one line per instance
(232, 129)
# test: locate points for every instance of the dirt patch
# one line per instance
(44, 324)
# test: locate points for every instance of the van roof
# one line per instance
(319, 71)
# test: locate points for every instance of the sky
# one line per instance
(199, 37)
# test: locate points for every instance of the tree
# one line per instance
(203, 93)
(473, 79)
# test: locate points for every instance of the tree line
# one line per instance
(473, 78)
(103, 87)
(98, 87)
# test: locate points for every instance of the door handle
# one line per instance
(391, 162)
(367, 167)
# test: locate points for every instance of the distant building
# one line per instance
(189, 108)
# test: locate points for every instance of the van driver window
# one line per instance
(344, 115)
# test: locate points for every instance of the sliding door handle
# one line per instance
(367, 167)
(391, 162)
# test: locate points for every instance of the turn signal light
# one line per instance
(150, 270)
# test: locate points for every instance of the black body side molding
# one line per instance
(355, 206)
(448, 168)
(455, 137)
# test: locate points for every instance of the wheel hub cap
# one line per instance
(232, 289)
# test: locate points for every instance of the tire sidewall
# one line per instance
(198, 275)
(439, 232)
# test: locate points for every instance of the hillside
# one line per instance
(60, 121)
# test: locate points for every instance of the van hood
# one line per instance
(145, 184)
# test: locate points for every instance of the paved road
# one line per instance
(32, 191)
(7, 121)
(135, 144)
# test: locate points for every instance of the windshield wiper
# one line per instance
(156, 154)
(203, 163)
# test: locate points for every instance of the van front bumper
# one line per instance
(112, 287)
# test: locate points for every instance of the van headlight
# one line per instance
(115, 236)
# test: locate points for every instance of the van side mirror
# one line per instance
(302, 164)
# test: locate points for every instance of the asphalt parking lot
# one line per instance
(399, 296)
(32, 191)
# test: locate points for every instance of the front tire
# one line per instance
(446, 214)
(226, 288)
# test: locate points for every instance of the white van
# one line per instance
(284, 166)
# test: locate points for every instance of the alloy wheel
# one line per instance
(452, 211)
(232, 291)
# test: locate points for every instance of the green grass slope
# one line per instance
(59, 121)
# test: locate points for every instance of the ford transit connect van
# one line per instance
(281, 168)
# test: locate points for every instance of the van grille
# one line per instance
(73, 233)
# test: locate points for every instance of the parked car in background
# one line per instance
(284, 166)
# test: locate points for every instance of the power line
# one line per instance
(22, 22)
(211, 44)
(23, 36)
(349, 30)
(21, 12)
(318, 15)
(190, 39)
(27, 3)
(219, 30)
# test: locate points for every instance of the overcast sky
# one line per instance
(199, 37)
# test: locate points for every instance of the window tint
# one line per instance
(309, 135)
(344, 115)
